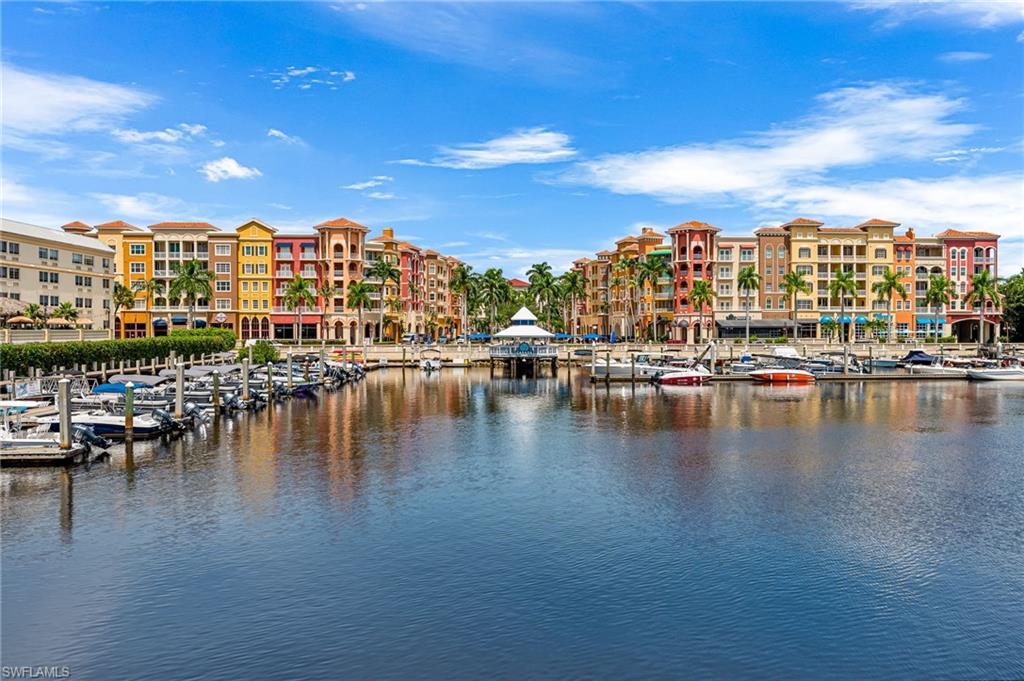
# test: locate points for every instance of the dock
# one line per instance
(824, 378)
(43, 456)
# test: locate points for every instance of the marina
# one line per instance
(701, 530)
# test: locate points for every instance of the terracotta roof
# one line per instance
(875, 222)
(182, 225)
(769, 230)
(845, 230)
(692, 224)
(518, 283)
(342, 222)
(957, 234)
(116, 224)
(603, 252)
(76, 223)
(804, 222)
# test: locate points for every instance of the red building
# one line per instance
(693, 259)
(967, 254)
(296, 254)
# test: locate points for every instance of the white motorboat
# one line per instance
(942, 368)
(997, 374)
(642, 367)
(109, 424)
(430, 360)
(695, 376)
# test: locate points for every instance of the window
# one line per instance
(246, 250)
(266, 286)
(261, 268)
(82, 281)
(878, 270)
(804, 252)
(880, 254)
(10, 273)
(768, 252)
(725, 272)
(261, 250)
(222, 249)
(245, 304)
(9, 247)
(266, 304)
(137, 249)
(725, 254)
(803, 305)
(746, 254)
(106, 283)
(138, 268)
(49, 277)
(245, 287)
(247, 268)
(223, 268)
(433, 269)
(768, 287)
(223, 285)
(106, 304)
(781, 252)
(76, 259)
(106, 263)
(767, 303)
(223, 304)
(805, 270)
(963, 271)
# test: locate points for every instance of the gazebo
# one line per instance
(523, 345)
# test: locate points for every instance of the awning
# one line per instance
(159, 322)
(755, 324)
(881, 315)
(925, 319)
(845, 319)
(199, 323)
(861, 319)
(591, 336)
(826, 319)
(179, 320)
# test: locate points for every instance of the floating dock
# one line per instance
(43, 456)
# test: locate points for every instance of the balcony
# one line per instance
(179, 308)
(284, 274)
(278, 309)
(307, 255)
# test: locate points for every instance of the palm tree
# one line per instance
(651, 270)
(984, 287)
(573, 286)
(326, 291)
(886, 288)
(298, 294)
(66, 311)
(625, 269)
(748, 280)
(829, 328)
(540, 277)
(191, 282)
(939, 293)
(151, 287)
(122, 297)
(385, 271)
(494, 290)
(394, 304)
(844, 284)
(36, 313)
(359, 297)
(793, 284)
(702, 293)
(461, 283)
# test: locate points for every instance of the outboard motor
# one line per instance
(195, 411)
(169, 421)
(232, 402)
(87, 435)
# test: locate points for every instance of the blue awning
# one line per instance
(925, 319)
(845, 319)
(881, 315)
(199, 323)
(159, 322)
(179, 320)
(861, 319)
(825, 319)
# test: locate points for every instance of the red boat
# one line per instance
(683, 377)
(780, 375)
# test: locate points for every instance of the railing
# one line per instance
(179, 308)
(307, 256)
(526, 350)
(300, 310)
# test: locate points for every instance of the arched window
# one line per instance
(781, 252)
(768, 252)
(245, 328)
(952, 254)
(979, 252)
(963, 254)
(265, 328)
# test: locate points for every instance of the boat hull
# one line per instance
(682, 378)
(995, 374)
(782, 376)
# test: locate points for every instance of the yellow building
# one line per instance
(137, 265)
(255, 279)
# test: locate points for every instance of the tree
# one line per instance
(939, 293)
(359, 298)
(150, 287)
(793, 283)
(191, 282)
(886, 288)
(653, 268)
(66, 311)
(461, 283)
(122, 298)
(494, 290)
(394, 304)
(748, 280)
(36, 313)
(702, 293)
(540, 278)
(984, 287)
(842, 285)
(385, 271)
(573, 286)
(625, 269)
(1012, 290)
(326, 291)
(298, 294)
(829, 328)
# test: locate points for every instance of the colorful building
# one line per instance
(255, 279)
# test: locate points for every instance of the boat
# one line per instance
(110, 424)
(782, 375)
(941, 367)
(430, 360)
(683, 377)
(918, 357)
(643, 366)
(997, 374)
(882, 363)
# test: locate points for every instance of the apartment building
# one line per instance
(342, 252)
(48, 267)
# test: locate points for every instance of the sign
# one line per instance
(524, 348)
(27, 389)
(220, 317)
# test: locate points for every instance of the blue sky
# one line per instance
(511, 133)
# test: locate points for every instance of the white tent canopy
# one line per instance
(523, 326)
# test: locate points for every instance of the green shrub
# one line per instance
(262, 352)
(22, 358)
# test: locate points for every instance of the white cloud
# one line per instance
(374, 181)
(181, 132)
(381, 196)
(308, 77)
(955, 155)
(227, 168)
(527, 145)
(297, 72)
(974, 13)
(854, 126)
(287, 139)
(962, 57)
(50, 104)
(453, 244)
(280, 206)
(146, 206)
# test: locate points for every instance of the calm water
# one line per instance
(459, 526)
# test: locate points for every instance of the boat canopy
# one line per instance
(138, 379)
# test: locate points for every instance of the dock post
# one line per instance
(291, 380)
(632, 368)
(172, 359)
(179, 390)
(64, 408)
(846, 359)
(270, 380)
(608, 366)
(323, 361)
(216, 393)
(871, 360)
(129, 411)
(245, 379)
(250, 354)
(403, 358)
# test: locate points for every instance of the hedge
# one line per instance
(22, 358)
